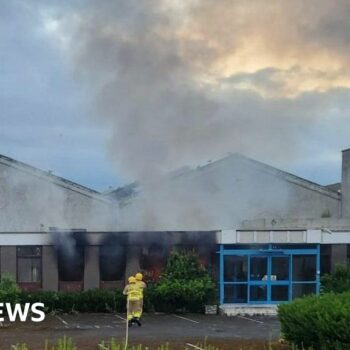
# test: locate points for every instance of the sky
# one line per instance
(106, 92)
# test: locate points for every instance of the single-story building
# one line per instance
(265, 234)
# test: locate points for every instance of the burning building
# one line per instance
(267, 235)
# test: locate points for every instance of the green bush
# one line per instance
(338, 281)
(9, 291)
(94, 300)
(150, 298)
(321, 322)
(184, 285)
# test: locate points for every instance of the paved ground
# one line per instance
(88, 329)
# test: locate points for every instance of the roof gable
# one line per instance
(131, 190)
(49, 177)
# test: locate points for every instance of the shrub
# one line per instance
(322, 322)
(184, 285)
(94, 300)
(9, 291)
(150, 298)
(338, 281)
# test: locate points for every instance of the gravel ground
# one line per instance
(177, 329)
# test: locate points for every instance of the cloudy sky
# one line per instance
(105, 92)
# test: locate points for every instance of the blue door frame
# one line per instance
(270, 252)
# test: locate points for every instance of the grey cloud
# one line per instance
(42, 109)
(145, 86)
(142, 67)
(263, 78)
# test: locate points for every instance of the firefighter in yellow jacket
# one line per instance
(142, 285)
(134, 296)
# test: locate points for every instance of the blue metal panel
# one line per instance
(221, 274)
(268, 252)
(269, 268)
(318, 269)
(290, 277)
(248, 285)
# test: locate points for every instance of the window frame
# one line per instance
(30, 285)
(292, 251)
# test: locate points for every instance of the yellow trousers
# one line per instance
(135, 309)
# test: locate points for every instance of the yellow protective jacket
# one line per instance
(142, 286)
(133, 292)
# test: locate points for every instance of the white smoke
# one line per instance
(184, 84)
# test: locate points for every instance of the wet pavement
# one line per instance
(88, 330)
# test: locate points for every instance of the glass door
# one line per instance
(258, 279)
(269, 279)
(281, 273)
(280, 278)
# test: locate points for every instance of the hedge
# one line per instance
(338, 281)
(183, 286)
(321, 322)
(164, 298)
(94, 300)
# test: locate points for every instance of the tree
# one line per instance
(185, 285)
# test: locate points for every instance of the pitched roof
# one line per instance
(49, 177)
(313, 186)
(334, 187)
(126, 192)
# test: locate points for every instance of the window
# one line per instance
(235, 268)
(326, 253)
(280, 268)
(304, 268)
(258, 293)
(279, 293)
(29, 264)
(71, 263)
(235, 293)
(112, 262)
(302, 289)
(258, 268)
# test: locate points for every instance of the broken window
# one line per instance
(70, 249)
(153, 261)
(112, 262)
(71, 264)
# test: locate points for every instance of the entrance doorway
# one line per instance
(268, 274)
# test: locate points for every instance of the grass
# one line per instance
(68, 344)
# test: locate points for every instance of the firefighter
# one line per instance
(142, 285)
(134, 295)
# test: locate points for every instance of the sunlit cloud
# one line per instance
(180, 82)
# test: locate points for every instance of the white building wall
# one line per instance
(310, 236)
(221, 196)
(31, 203)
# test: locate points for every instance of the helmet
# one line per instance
(132, 279)
(138, 276)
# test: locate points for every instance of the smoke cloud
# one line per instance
(183, 82)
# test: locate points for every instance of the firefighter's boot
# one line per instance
(137, 320)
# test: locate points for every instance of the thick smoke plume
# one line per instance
(183, 82)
